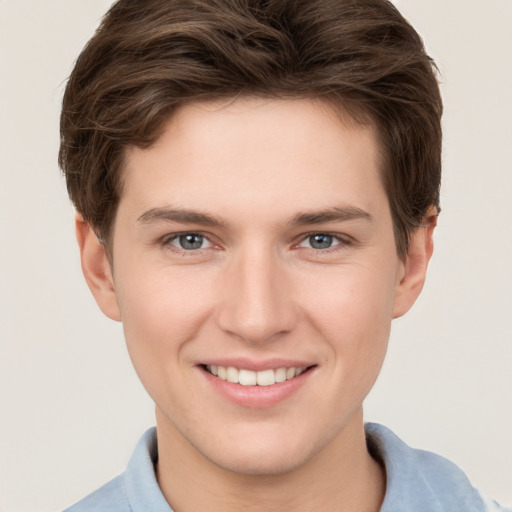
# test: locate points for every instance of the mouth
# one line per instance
(246, 377)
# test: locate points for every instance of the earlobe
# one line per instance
(415, 266)
(96, 269)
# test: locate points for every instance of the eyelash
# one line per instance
(167, 242)
(343, 241)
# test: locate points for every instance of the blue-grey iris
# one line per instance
(191, 241)
(320, 241)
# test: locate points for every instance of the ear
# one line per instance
(96, 269)
(421, 246)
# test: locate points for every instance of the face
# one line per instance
(256, 276)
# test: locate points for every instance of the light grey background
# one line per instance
(71, 407)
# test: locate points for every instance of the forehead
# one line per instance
(256, 153)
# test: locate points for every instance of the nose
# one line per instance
(257, 300)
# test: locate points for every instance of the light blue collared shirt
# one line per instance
(417, 481)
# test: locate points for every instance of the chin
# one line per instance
(262, 454)
(261, 463)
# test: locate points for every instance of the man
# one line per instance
(257, 186)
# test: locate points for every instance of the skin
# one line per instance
(258, 289)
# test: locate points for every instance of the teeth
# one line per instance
(232, 375)
(280, 374)
(251, 378)
(247, 378)
(266, 378)
(221, 372)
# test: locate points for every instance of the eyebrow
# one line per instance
(180, 215)
(336, 214)
(185, 216)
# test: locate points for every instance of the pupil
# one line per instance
(191, 242)
(320, 241)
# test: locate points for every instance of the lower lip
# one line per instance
(257, 397)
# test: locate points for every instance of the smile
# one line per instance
(254, 378)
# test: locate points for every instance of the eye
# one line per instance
(189, 242)
(320, 241)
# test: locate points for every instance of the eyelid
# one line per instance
(343, 240)
(166, 241)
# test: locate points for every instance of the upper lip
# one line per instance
(255, 365)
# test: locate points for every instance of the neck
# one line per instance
(342, 477)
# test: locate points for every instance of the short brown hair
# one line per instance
(150, 56)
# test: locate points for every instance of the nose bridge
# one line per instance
(256, 302)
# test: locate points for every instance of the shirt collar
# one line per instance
(140, 480)
(416, 479)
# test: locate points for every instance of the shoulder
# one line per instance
(491, 505)
(136, 490)
(109, 498)
(422, 480)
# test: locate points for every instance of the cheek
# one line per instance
(160, 314)
(153, 299)
(357, 299)
(353, 314)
